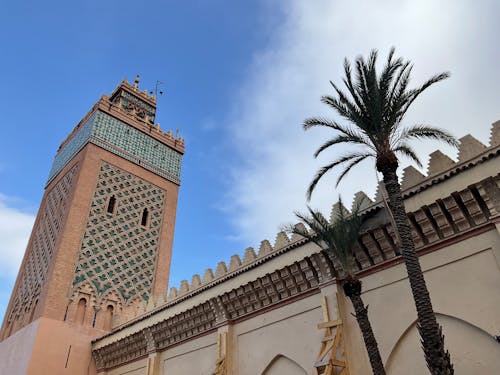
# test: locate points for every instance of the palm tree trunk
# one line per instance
(436, 356)
(352, 289)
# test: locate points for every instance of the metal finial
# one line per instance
(136, 81)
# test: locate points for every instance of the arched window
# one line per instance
(144, 219)
(80, 311)
(108, 318)
(111, 205)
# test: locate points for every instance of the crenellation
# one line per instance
(495, 134)
(195, 282)
(380, 192)
(249, 256)
(361, 200)
(221, 269)
(281, 240)
(234, 263)
(264, 248)
(208, 276)
(411, 177)
(173, 293)
(439, 162)
(300, 227)
(337, 208)
(469, 148)
(184, 288)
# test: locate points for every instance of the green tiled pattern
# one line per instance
(125, 141)
(117, 253)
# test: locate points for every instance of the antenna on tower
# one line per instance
(157, 91)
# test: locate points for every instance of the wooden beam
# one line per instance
(332, 323)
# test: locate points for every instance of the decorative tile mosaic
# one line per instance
(117, 252)
(137, 144)
(71, 148)
(41, 248)
(125, 141)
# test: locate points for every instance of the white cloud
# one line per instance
(290, 74)
(15, 228)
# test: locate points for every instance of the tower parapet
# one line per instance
(123, 124)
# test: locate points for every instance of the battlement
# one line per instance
(134, 107)
(440, 167)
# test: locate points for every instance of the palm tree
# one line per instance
(339, 238)
(374, 108)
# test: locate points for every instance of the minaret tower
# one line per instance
(102, 240)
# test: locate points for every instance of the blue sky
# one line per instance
(239, 78)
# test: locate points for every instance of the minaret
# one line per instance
(102, 240)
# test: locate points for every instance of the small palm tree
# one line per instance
(339, 238)
(374, 108)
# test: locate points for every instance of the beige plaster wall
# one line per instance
(193, 357)
(15, 351)
(134, 368)
(464, 283)
(290, 331)
(473, 350)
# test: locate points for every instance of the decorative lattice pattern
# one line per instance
(125, 141)
(41, 248)
(118, 253)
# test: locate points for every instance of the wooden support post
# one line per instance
(224, 361)
(331, 358)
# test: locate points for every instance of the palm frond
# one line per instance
(415, 93)
(348, 83)
(357, 139)
(427, 132)
(322, 171)
(398, 99)
(406, 150)
(339, 237)
(350, 166)
(319, 121)
(344, 106)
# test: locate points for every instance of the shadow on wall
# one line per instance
(283, 365)
(472, 349)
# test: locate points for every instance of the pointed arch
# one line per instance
(481, 357)
(281, 364)
(81, 310)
